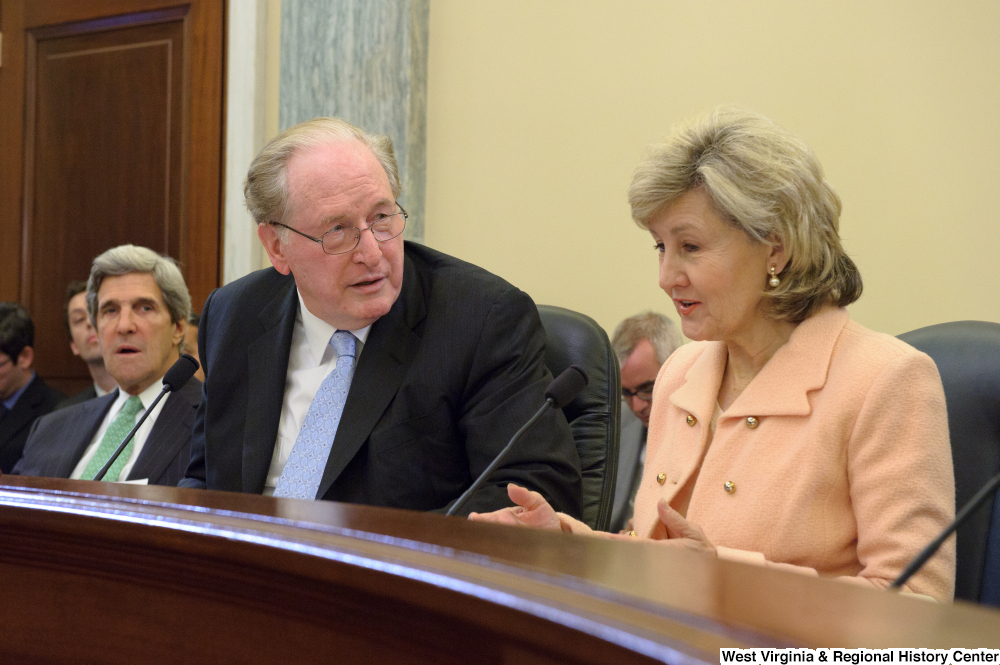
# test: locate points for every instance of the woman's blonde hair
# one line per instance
(768, 183)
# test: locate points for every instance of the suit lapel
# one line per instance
(383, 365)
(696, 397)
(170, 432)
(782, 386)
(84, 426)
(700, 390)
(267, 358)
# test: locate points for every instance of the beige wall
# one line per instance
(539, 110)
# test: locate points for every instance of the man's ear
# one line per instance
(180, 327)
(25, 358)
(274, 247)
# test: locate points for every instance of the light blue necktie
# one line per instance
(304, 470)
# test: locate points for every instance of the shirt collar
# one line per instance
(318, 332)
(146, 396)
(12, 400)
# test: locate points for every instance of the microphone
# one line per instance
(563, 389)
(175, 378)
(988, 489)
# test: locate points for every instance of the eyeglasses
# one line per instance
(643, 392)
(343, 239)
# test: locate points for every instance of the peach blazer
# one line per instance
(837, 454)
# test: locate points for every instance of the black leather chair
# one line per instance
(594, 415)
(967, 354)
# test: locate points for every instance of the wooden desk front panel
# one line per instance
(118, 573)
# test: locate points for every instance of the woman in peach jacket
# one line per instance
(786, 435)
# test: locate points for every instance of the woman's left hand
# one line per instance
(673, 530)
(531, 509)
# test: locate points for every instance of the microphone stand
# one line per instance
(929, 551)
(174, 379)
(549, 403)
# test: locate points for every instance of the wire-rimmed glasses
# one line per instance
(342, 239)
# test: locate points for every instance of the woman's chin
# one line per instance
(694, 333)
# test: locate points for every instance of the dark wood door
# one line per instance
(110, 133)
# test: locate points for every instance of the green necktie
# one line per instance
(117, 430)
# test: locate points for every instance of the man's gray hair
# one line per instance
(266, 186)
(658, 329)
(126, 259)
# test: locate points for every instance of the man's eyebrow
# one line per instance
(339, 218)
(331, 220)
(136, 301)
(642, 386)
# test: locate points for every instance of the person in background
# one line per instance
(139, 304)
(191, 343)
(24, 397)
(642, 343)
(84, 344)
(785, 435)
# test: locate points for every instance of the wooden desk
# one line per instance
(92, 572)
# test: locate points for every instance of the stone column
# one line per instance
(364, 61)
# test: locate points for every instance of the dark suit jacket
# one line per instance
(58, 440)
(444, 380)
(87, 393)
(630, 444)
(37, 400)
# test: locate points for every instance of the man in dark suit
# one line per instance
(24, 397)
(361, 369)
(139, 304)
(84, 345)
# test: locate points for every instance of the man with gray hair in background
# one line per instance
(139, 304)
(642, 343)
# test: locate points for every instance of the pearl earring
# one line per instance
(774, 281)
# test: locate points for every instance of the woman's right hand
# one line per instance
(531, 510)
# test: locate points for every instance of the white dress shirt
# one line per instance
(310, 359)
(146, 397)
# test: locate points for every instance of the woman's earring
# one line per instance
(774, 281)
